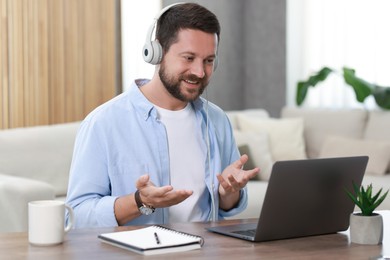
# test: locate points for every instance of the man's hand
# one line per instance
(159, 197)
(125, 208)
(232, 180)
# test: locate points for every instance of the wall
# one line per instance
(252, 54)
(58, 59)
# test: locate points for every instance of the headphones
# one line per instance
(152, 50)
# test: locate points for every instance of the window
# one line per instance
(136, 18)
(337, 33)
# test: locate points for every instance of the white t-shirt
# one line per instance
(187, 155)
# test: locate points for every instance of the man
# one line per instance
(160, 153)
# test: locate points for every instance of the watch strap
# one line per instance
(144, 209)
(138, 200)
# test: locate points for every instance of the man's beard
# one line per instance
(173, 86)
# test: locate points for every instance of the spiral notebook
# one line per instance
(153, 240)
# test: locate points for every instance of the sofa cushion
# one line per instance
(244, 149)
(15, 193)
(285, 135)
(378, 153)
(256, 194)
(259, 153)
(378, 128)
(42, 153)
(321, 122)
(255, 112)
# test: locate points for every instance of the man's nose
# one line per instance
(198, 69)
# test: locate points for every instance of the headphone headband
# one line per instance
(152, 50)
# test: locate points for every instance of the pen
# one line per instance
(156, 237)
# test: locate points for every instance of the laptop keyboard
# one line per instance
(248, 232)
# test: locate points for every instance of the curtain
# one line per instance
(136, 18)
(337, 34)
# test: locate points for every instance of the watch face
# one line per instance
(146, 210)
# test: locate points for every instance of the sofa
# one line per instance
(34, 165)
(35, 161)
(306, 133)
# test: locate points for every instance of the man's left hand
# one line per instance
(232, 180)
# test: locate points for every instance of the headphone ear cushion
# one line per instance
(147, 52)
(157, 52)
(152, 52)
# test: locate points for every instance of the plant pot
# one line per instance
(366, 230)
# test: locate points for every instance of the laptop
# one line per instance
(303, 198)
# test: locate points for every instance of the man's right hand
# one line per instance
(159, 197)
(126, 208)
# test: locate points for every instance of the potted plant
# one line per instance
(366, 227)
(362, 88)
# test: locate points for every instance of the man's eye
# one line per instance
(210, 61)
(188, 58)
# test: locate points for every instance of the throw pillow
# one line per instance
(321, 122)
(254, 112)
(378, 153)
(285, 135)
(378, 128)
(244, 149)
(259, 154)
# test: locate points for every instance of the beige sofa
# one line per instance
(313, 133)
(34, 165)
(35, 161)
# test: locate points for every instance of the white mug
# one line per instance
(46, 222)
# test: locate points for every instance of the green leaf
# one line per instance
(320, 76)
(379, 201)
(302, 89)
(361, 87)
(382, 96)
(353, 198)
(303, 86)
(365, 200)
(355, 188)
(376, 195)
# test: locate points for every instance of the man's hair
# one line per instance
(185, 16)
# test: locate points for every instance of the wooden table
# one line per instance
(83, 244)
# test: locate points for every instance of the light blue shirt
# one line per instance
(123, 139)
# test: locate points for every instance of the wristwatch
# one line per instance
(144, 209)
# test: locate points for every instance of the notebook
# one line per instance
(153, 240)
(304, 198)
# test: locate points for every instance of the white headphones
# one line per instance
(152, 50)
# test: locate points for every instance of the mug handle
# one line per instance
(71, 218)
